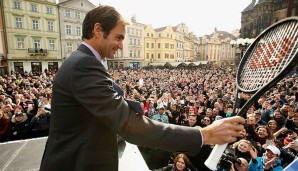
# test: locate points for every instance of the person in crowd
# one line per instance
(84, 103)
(151, 109)
(279, 118)
(259, 120)
(251, 121)
(192, 120)
(291, 143)
(239, 167)
(161, 116)
(19, 128)
(181, 163)
(278, 133)
(269, 161)
(265, 112)
(292, 122)
(174, 114)
(40, 123)
(262, 135)
(7, 110)
(4, 126)
(242, 148)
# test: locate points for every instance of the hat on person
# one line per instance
(160, 106)
(18, 106)
(257, 112)
(273, 149)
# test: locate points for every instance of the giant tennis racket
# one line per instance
(267, 60)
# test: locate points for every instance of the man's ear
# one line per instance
(97, 29)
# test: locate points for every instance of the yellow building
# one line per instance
(33, 38)
(3, 52)
(150, 37)
(165, 44)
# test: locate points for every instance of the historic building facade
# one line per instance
(132, 54)
(3, 48)
(33, 35)
(216, 48)
(260, 14)
(72, 14)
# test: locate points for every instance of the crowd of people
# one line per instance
(193, 97)
(198, 97)
(25, 104)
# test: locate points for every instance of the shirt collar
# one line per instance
(95, 53)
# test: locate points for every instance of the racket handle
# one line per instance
(215, 156)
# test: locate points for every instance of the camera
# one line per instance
(225, 160)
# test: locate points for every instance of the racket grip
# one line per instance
(215, 156)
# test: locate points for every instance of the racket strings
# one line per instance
(269, 56)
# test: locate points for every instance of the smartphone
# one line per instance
(292, 166)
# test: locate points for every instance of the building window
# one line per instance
(50, 26)
(82, 4)
(134, 41)
(78, 31)
(166, 56)
(67, 13)
(51, 44)
(152, 45)
(36, 43)
(17, 5)
(167, 45)
(130, 41)
(33, 7)
(68, 29)
(35, 24)
(77, 15)
(147, 45)
(139, 42)
(158, 45)
(20, 43)
(49, 10)
(19, 22)
(130, 53)
(69, 47)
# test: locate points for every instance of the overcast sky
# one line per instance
(201, 16)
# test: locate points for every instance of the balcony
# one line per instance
(37, 51)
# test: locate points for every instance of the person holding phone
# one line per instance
(269, 161)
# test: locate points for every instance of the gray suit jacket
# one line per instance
(87, 115)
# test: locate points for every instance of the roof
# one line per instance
(160, 29)
(250, 6)
(179, 64)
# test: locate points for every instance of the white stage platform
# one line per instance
(26, 156)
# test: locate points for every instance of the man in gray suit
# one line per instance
(87, 113)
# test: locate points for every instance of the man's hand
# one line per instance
(270, 162)
(223, 131)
